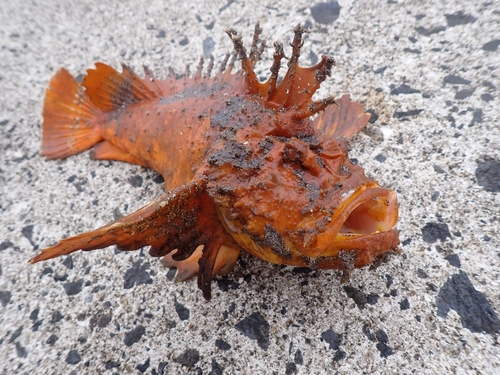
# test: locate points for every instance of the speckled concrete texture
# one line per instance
(428, 71)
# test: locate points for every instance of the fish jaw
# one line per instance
(365, 222)
(363, 215)
(362, 226)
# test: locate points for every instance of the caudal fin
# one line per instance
(70, 119)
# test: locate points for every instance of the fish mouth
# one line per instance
(365, 218)
(373, 211)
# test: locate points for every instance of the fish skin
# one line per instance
(245, 166)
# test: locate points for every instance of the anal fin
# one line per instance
(105, 150)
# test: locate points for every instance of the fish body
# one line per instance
(245, 165)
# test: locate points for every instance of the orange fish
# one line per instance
(245, 165)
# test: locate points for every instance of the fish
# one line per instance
(248, 165)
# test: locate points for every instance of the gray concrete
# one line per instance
(432, 79)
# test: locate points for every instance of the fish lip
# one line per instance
(382, 217)
(337, 237)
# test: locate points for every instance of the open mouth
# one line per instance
(374, 211)
(366, 214)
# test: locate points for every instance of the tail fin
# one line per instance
(70, 119)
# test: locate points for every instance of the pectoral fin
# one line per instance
(343, 120)
(181, 219)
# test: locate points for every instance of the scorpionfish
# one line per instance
(246, 164)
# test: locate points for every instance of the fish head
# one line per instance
(302, 202)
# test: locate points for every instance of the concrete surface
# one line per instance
(428, 70)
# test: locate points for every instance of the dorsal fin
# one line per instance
(299, 84)
(109, 89)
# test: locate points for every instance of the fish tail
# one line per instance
(70, 119)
